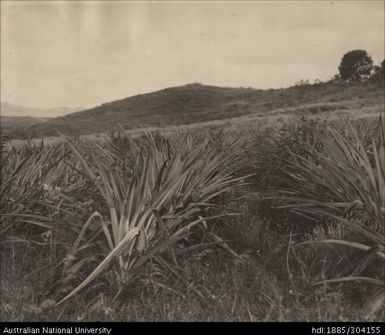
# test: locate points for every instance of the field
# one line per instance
(227, 222)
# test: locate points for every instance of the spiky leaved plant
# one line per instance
(346, 182)
(27, 171)
(155, 202)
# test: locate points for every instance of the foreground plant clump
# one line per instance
(345, 183)
(233, 219)
(157, 202)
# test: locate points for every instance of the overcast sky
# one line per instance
(86, 53)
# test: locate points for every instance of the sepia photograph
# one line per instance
(192, 162)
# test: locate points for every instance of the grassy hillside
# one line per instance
(197, 103)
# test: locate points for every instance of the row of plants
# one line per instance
(125, 207)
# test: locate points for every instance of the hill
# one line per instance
(195, 103)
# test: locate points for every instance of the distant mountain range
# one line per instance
(7, 109)
(193, 104)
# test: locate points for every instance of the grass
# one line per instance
(196, 104)
(210, 287)
(193, 226)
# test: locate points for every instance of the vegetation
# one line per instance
(231, 224)
(193, 104)
(379, 73)
(345, 182)
(355, 65)
(272, 211)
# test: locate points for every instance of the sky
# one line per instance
(74, 53)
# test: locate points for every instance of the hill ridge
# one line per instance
(196, 103)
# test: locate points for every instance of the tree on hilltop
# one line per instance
(356, 65)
